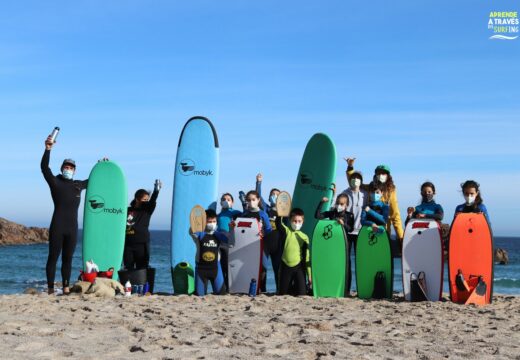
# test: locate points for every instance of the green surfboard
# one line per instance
(328, 259)
(104, 218)
(373, 257)
(315, 177)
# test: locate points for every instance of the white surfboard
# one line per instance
(423, 252)
(245, 256)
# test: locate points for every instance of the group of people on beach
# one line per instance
(373, 204)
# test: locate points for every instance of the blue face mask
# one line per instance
(375, 197)
(67, 174)
(272, 199)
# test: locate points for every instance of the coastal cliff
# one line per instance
(15, 234)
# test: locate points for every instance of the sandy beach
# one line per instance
(267, 327)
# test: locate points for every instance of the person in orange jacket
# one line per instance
(382, 175)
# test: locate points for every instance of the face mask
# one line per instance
(428, 197)
(470, 200)
(225, 204)
(375, 197)
(210, 227)
(340, 208)
(296, 226)
(272, 200)
(67, 174)
(382, 178)
(253, 205)
(355, 183)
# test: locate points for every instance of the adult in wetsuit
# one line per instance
(63, 231)
(137, 241)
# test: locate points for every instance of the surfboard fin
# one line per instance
(418, 287)
(379, 285)
(461, 283)
(478, 295)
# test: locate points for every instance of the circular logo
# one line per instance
(96, 204)
(305, 178)
(208, 256)
(186, 167)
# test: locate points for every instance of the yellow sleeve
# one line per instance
(394, 216)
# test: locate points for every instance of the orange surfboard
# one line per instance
(470, 259)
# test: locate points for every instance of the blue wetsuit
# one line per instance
(378, 214)
(430, 210)
(481, 208)
(208, 266)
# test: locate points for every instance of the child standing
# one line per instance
(208, 266)
(295, 256)
(474, 202)
(428, 209)
(357, 201)
(224, 218)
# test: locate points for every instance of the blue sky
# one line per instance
(416, 85)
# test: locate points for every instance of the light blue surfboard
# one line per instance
(195, 183)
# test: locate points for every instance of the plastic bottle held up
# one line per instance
(128, 288)
(252, 288)
(54, 134)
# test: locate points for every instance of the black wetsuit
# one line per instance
(63, 231)
(137, 240)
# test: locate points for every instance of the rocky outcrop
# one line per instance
(15, 234)
(501, 256)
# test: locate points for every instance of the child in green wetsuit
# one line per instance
(295, 256)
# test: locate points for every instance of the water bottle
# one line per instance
(128, 288)
(146, 289)
(140, 289)
(54, 134)
(252, 288)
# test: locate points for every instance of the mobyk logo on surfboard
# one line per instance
(305, 179)
(96, 205)
(187, 167)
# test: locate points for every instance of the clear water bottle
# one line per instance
(252, 288)
(128, 288)
(54, 134)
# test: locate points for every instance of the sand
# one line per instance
(266, 327)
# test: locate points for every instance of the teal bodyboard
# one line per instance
(316, 175)
(329, 259)
(104, 218)
(373, 255)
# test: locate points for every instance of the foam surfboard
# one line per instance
(374, 264)
(471, 255)
(104, 218)
(195, 182)
(316, 175)
(328, 259)
(245, 257)
(423, 252)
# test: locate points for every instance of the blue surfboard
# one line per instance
(195, 183)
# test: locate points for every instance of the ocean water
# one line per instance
(23, 266)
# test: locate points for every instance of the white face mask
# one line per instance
(225, 204)
(67, 174)
(340, 208)
(470, 199)
(210, 227)
(382, 178)
(296, 226)
(253, 205)
(355, 183)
